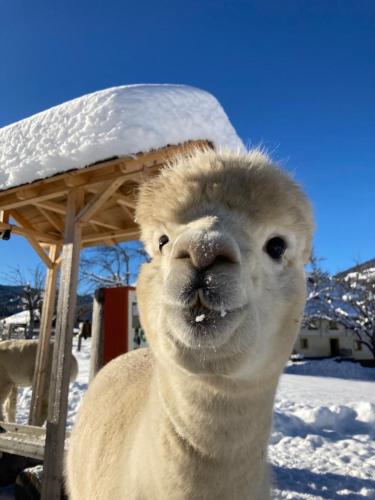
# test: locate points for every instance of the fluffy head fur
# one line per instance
(239, 202)
(248, 184)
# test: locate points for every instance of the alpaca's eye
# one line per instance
(275, 247)
(163, 240)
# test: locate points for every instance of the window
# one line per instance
(357, 346)
(333, 325)
(304, 344)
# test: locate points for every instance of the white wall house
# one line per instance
(325, 338)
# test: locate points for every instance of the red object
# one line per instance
(115, 322)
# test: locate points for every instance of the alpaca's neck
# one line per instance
(215, 432)
(209, 412)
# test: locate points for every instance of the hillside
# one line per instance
(11, 304)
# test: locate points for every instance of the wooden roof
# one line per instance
(37, 210)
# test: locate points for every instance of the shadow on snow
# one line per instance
(324, 485)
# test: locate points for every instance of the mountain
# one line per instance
(10, 302)
(367, 269)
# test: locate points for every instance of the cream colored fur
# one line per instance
(189, 418)
(17, 362)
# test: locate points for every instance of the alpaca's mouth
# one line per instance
(202, 315)
(204, 319)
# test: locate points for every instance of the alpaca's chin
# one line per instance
(201, 327)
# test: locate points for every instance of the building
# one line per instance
(16, 325)
(323, 338)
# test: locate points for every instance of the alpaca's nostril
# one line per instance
(182, 254)
(213, 256)
(204, 250)
(225, 259)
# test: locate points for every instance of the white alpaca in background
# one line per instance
(17, 363)
(221, 303)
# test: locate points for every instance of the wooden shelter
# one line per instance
(60, 215)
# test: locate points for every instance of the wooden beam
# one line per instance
(72, 181)
(20, 219)
(4, 216)
(58, 185)
(129, 214)
(41, 373)
(127, 234)
(127, 201)
(139, 176)
(106, 225)
(25, 193)
(23, 429)
(60, 209)
(99, 199)
(59, 389)
(14, 200)
(51, 238)
(22, 440)
(39, 250)
(24, 223)
(94, 226)
(56, 222)
(51, 205)
(58, 260)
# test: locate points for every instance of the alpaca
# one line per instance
(17, 363)
(221, 303)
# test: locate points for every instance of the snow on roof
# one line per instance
(118, 121)
(20, 318)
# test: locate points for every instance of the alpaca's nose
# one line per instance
(206, 249)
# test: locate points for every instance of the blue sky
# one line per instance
(297, 77)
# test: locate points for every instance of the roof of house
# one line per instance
(20, 318)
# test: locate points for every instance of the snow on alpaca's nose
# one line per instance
(206, 249)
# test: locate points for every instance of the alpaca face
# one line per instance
(204, 293)
(225, 289)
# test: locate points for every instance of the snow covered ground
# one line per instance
(323, 442)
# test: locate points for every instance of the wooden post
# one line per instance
(4, 216)
(59, 390)
(10, 331)
(41, 372)
(96, 358)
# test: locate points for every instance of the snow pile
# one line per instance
(322, 445)
(331, 368)
(357, 418)
(113, 122)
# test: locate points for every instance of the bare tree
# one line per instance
(112, 266)
(30, 295)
